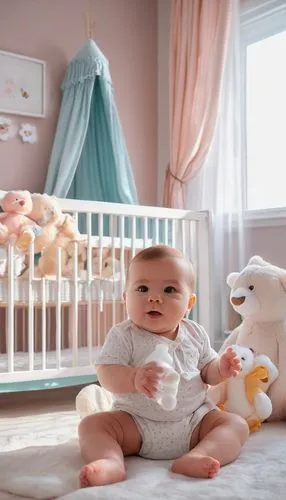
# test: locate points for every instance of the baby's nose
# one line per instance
(155, 298)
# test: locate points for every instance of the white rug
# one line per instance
(31, 426)
(47, 461)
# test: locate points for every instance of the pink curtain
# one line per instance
(199, 34)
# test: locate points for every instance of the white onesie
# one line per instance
(165, 434)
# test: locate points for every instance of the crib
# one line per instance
(52, 327)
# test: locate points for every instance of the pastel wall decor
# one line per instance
(28, 133)
(5, 128)
(22, 85)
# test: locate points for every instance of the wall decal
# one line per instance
(5, 128)
(22, 85)
(28, 133)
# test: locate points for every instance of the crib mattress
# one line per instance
(21, 359)
(99, 289)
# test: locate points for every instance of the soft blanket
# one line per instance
(40, 459)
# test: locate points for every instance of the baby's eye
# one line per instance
(142, 289)
(170, 289)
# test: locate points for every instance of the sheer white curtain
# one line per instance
(218, 186)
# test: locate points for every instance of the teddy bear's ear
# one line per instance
(231, 279)
(256, 260)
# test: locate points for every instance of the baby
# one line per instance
(196, 435)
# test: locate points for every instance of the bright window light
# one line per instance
(266, 122)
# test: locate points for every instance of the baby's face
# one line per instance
(158, 294)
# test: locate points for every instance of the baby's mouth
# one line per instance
(154, 314)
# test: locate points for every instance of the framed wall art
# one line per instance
(22, 85)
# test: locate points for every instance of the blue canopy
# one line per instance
(89, 158)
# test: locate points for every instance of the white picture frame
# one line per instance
(22, 85)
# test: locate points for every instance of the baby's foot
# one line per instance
(101, 472)
(196, 466)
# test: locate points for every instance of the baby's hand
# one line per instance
(147, 378)
(229, 364)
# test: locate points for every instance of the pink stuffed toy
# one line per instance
(15, 225)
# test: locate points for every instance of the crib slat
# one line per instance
(100, 256)
(166, 225)
(75, 307)
(10, 312)
(100, 241)
(204, 274)
(89, 248)
(31, 345)
(183, 235)
(58, 308)
(44, 324)
(193, 252)
(156, 235)
(145, 231)
(113, 312)
(122, 255)
(23, 314)
(133, 236)
(88, 284)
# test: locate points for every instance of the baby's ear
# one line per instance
(192, 301)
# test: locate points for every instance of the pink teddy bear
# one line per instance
(15, 225)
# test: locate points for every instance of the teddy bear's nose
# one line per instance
(237, 301)
(22, 203)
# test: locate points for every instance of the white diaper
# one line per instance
(169, 440)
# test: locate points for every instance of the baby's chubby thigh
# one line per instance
(208, 417)
(104, 439)
(119, 425)
(207, 412)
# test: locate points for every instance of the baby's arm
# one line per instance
(225, 366)
(116, 378)
(121, 379)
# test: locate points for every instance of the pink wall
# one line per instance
(53, 30)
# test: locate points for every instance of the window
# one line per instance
(264, 90)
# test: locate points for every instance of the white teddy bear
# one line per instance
(245, 394)
(258, 294)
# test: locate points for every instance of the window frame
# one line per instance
(258, 20)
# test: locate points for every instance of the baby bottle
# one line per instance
(166, 394)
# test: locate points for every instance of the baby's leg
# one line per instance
(105, 438)
(216, 441)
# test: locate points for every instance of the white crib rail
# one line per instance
(54, 326)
